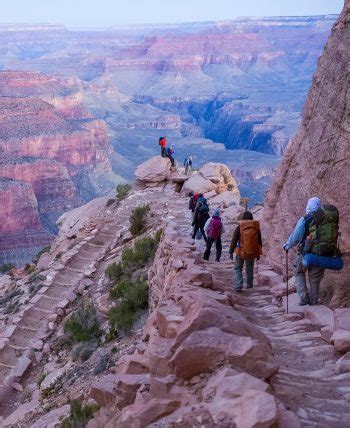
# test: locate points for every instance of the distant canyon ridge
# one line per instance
(79, 109)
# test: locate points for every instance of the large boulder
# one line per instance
(212, 177)
(154, 170)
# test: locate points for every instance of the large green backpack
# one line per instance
(322, 232)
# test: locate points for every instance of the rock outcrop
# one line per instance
(154, 171)
(213, 177)
(317, 161)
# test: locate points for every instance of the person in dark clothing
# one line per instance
(247, 243)
(169, 151)
(162, 143)
(214, 229)
(201, 216)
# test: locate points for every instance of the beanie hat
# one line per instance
(216, 212)
(313, 205)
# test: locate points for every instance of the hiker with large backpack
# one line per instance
(214, 229)
(162, 142)
(201, 215)
(316, 236)
(247, 243)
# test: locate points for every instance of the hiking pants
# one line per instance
(249, 269)
(195, 230)
(188, 169)
(315, 275)
(210, 242)
(172, 160)
(163, 152)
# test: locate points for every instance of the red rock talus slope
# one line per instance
(317, 162)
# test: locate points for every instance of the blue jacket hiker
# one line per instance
(315, 274)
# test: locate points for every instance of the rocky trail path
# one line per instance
(23, 340)
(307, 382)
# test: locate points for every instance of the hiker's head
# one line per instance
(247, 215)
(162, 138)
(190, 157)
(190, 194)
(216, 212)
(200, 195)
(313, 205)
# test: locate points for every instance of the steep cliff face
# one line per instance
(22, 233)
(65, 93)
(317, 162)
(48, 141)
(53, 187)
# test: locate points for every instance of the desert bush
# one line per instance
(138, 219)
(79, 415)
(115, 271)
(40, 253)
(134, 258)
(134, 299)
(122, 190)
(9, 296)
(110, 202)
(82, 351)
(6, 267)
(83, 324)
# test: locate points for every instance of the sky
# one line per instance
(104, 13)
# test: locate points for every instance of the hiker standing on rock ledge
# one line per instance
(316, 235)
(162, 142)
(247, 243)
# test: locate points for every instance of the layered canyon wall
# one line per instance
(50, 146)
(317, 162)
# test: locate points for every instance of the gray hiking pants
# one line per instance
(315, 275)
(249, 269)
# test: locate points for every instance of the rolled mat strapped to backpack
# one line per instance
(313, 260)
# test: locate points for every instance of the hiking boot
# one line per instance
(304, 302)
(239, 290)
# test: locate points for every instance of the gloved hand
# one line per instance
(285, 247)
(258, 258)
(231, 256)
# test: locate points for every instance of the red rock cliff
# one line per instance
(317, 161)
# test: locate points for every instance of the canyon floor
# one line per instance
(184, 363)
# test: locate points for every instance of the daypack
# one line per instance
(202, 214)
(215, 228)
(249, 245)
(322, 229)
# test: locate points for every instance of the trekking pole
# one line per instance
(287, 277)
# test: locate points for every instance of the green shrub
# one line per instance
(134, 299)
(138, 219)
(6, 267)
(83, 324)
(122, 190)
(134, 258)
(115, 271)
(120, 290)
(79, 415)
(40, 253)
